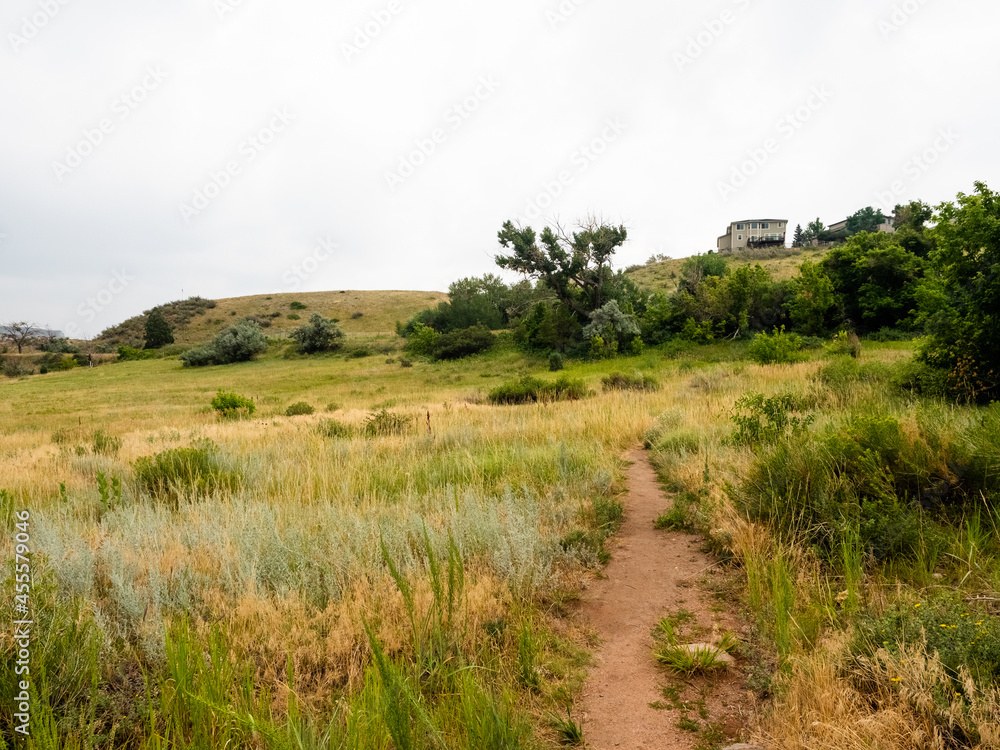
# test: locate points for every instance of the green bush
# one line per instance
(921, 379)
(240, 343)
(384, 423)
(130, 354)
(293, 316)
(463, 343)
(556, 362)
(961, 635)
(529, 390)
(297, 306)
(619, 381)
(233, 406)
(776, 348)
(198, 470)
(845, 343)
(764, 420)
(318, 335)
(844, 373)
(331, 428)
(422, 340)
(300, 408)
(105, 444)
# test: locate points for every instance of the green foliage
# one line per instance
(318, 335)
(845, 343)
(462, 343)
(875, 281)
(962, 636)
(698, 267)
(961, 302)
(129, 354)
(384, 423)
(697, 333)
(331, 428)
(813, 306)
(296, 305)
(765, 420)
(104, 444)
(233, 406)
(109, 489)
(422, 340)
(240, 343)
(549, 327)
(159, 332)
(132, 332)
(567, 730)
(300, 408)
(530, 390)
(777, 348)
(866, 219)
(620, 381)
(577, 268)
(556, 362)
(197, 470)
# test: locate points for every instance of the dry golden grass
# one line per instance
(663, 276)
(380, 311)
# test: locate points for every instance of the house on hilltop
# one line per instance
(887, 227)
(753, 233)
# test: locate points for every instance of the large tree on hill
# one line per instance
(866, 220)
(961, 297)
(577, 267)
(20, 333)
(799, 238)
(158, 330)
(814, 229)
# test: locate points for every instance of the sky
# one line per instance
(152, 151)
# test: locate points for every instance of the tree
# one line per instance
(814, 301)
(318, 335)
(911, 228)
(576, 268)
(19, 333)
(866, 220)
(158, 331)
(814, 229)
(962, 297)
(799, 238)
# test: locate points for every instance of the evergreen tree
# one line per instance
(799, 239)
(158, 330)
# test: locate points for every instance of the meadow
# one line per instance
(398, 568)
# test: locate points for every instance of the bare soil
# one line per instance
(653, 574)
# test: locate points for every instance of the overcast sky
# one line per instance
(154, 150)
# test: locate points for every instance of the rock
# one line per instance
(721, 656)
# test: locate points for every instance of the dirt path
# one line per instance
(652, 574)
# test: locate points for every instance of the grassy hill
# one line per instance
(359, 312)
(662, 276)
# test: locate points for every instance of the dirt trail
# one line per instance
(652, 574)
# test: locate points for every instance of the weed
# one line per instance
(619, 381)
(384, 423)
(567, 730)
(106, 445)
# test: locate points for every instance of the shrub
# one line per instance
(385, 422)
(357, 315)
(763, 420)
(331, 428)
(529, 390)
(463, 343)
(921, 379)
(294, 316)
(779, 348)
(240, 343)
(105, 444)
(233, 406)
(359, 352)
(297, 306)
(422, 340)
(130, 354)
(158, 331)
(300, 408)
(405, 362)
(195, 470)
(619, 381)
(318, 335)
(845, 343)
(14, 367)
(556, 362)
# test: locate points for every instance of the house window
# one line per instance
(753, 225)
(740, 227)
(739, 237)
(765, 225)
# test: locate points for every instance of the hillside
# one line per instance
(359, 312)
(661, 276)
